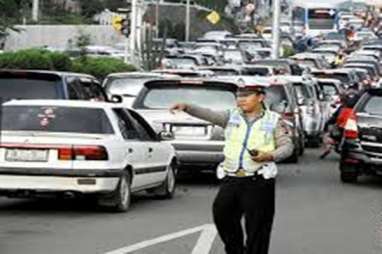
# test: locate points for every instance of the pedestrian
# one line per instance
(255, 138)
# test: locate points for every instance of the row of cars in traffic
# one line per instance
(69, 134)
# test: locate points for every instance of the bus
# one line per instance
(317, 17)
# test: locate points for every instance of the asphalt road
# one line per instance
(315, 214)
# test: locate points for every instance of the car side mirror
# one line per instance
(165, 135)
(301, 101)
(116, 98)
(279, 107)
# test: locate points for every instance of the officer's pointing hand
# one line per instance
(178, 107)
(263, 157)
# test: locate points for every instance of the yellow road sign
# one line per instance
(117, 22)
(213, 17)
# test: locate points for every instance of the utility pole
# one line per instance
(35, 10)
(133, 30)
(187, 34)
(157, 19)
(276, 29)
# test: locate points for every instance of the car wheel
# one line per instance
(167, 189)
(315, 142)
(120, 199)
(349, 177)
(302, 148)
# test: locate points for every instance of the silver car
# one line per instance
(310, 108)
(196, 142)
(129, 84)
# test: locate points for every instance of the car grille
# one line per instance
(372, 149)
(376, 133)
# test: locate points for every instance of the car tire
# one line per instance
(301, 148)
(119, 200)
(315, 142)
(167, 189)
(349, 177)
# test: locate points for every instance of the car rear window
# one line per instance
(225, 72)
(343, 77)
(29, 88)
(257, 71)
(55, 119)
(181, 62)
(211, 97)
(125, 86)
(250, 46)
(372, 106)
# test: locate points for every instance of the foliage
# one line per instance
(90, 8)
(10, 13)
(39, 59)
(100, 67)
(26, 59)
(288, 51)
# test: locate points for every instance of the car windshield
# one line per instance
(55, 119)
(372, 106)
(210, 97)
(302, 90)
(250, 46)
(328, 88)
(233, 55)
(181, 62)
(29, 88)
(307, 62)
(275, 95)
(125, 86)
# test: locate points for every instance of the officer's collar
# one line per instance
(258, 116)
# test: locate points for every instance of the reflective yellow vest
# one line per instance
(241, 135)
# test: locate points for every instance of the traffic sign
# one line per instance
(213, 17)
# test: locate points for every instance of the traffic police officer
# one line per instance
(255, 138)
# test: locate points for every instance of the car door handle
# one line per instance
(150, 149)
(130, 150)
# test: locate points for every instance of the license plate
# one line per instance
(189, 130)
(38, 155)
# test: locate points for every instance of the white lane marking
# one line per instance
(208, 232)
(205, 241)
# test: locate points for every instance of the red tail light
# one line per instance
(351, 128)
(288, 114)
(65, 154)
(93, 153)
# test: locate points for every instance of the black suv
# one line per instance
(362, 140)
(36, 84)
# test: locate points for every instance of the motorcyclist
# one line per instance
(335, 126)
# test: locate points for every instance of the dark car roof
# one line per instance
(191, 81)
(42, 72)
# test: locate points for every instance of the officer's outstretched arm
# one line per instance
(219, 118)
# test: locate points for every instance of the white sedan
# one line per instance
(75, 148)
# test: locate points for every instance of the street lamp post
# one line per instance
(276, 29)
(35, 10)
(133, 26)
(187, 34)
(157, 19)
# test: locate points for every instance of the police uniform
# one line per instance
(248, 187)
